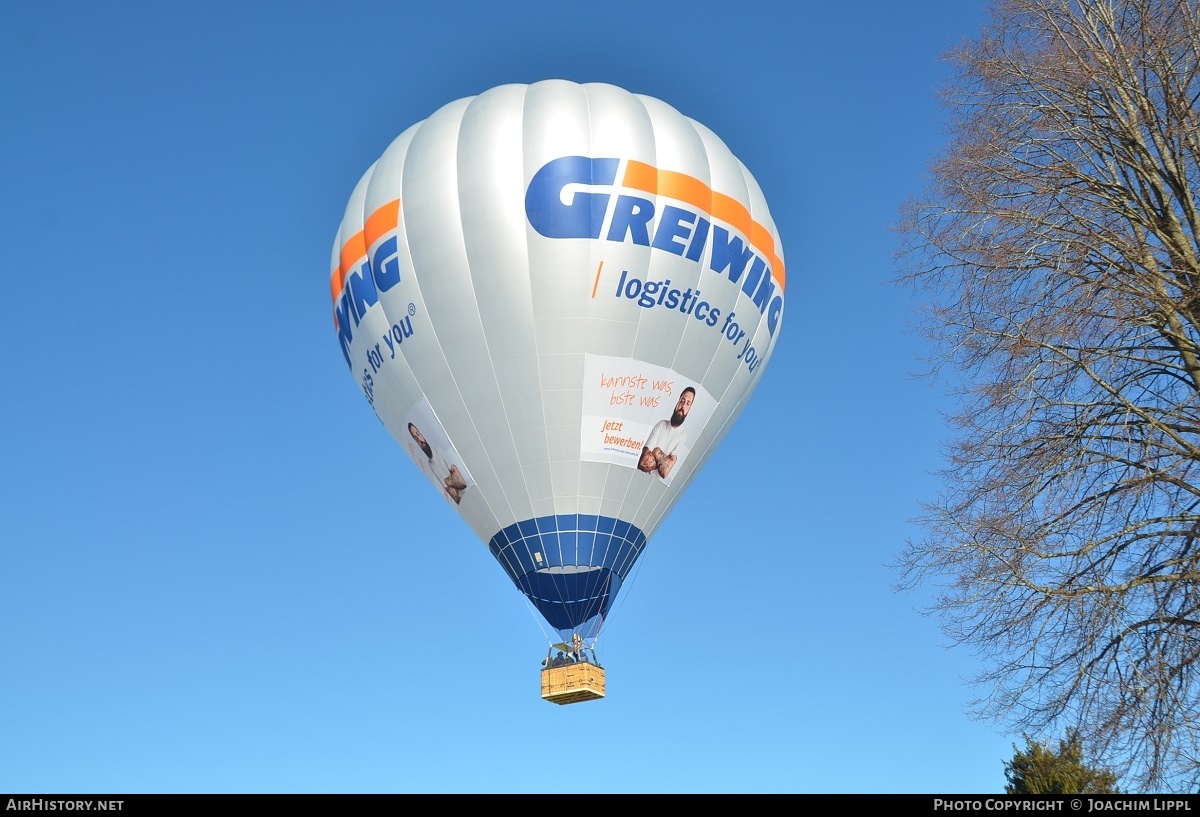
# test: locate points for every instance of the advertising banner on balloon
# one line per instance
(430, 448)
(640, 415)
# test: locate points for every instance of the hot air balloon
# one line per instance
(558, 297)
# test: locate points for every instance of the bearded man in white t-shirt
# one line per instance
(662, 447)
(440, 471)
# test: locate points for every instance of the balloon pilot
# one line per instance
(576, 652)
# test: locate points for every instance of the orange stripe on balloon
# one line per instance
(641, 176)
(355, 249)
(732, 211)
(381, 221)
(336, 281)
(690, 190)
(352, 252)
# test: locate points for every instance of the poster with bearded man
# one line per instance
(624, 401)
(433, 453)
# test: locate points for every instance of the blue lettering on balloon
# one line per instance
(581, 216)
(362, 290)
(729, 251)
(559, 205)
(675, 223)
(358, 295)
(385, 265)
(631, 216)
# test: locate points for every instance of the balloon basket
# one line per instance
(573, 683)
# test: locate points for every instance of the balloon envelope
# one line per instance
(557, 298)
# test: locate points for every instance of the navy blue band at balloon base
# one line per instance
(570, 566)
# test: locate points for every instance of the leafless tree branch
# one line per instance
(1057, 245)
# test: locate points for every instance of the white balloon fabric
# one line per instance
(558, 298)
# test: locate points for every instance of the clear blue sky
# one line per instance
(218, 571)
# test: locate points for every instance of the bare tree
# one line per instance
(1056, 247)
